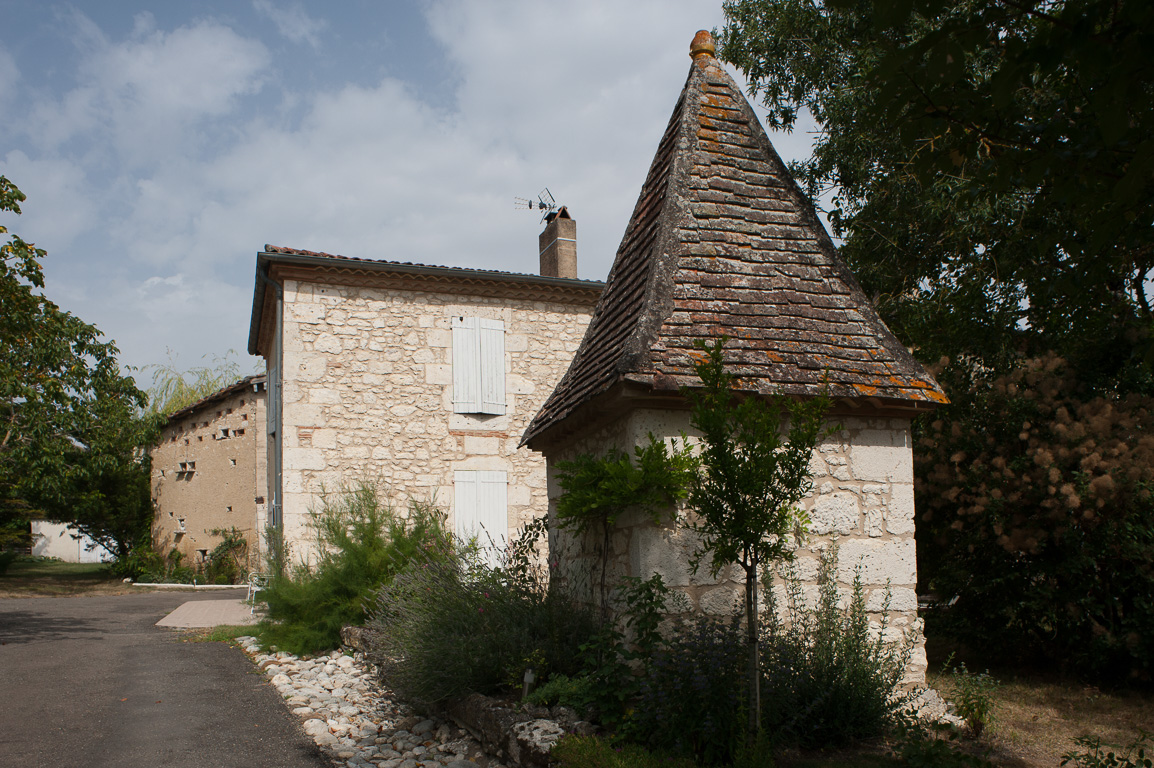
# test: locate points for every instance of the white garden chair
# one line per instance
(256, 582)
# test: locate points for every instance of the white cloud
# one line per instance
(146, 97)
(573, 97)
(62, 205)
(292, 21)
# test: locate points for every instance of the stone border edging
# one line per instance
(520, 738)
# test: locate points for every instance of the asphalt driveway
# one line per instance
(90, 681)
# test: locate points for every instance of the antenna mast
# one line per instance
(544, 202)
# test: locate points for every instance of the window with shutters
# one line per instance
(480, 509)
(478, 365)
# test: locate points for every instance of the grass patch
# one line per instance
(41, 577)
(227, 633)
(1038, 718)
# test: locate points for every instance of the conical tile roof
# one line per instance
(722, 242)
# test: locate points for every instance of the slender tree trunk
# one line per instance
(752, 670)
(604, 568)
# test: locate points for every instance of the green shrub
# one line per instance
(972, 695)
(145, 564)
(828, 680)
(577, 692)
(692, 698)
(591, 752)
(361, 544)
(921, 746)
(451, 626)
(6, 559)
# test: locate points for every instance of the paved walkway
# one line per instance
(210, 613)
(92, 682)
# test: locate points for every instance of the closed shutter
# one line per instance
(480, 509)
(478, 365)
(466, 366)
(492, 333)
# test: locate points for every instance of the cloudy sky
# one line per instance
(162, 145)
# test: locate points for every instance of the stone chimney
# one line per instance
(558, 245)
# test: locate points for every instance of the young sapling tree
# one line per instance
(754, 470)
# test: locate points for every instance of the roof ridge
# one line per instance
(286, 251)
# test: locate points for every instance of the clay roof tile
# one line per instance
(723, 242)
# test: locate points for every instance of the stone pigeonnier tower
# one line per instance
(723, 242)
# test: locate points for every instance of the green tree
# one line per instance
(992, 169)
(66, 411)
(173, 389)
(992, 163)
(755, 455)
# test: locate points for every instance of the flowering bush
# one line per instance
(1035, 509)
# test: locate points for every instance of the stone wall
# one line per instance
(208, 470)
(862, 498)
(367, 396)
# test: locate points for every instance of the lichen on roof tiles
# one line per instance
(723, 242)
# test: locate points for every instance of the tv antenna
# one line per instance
(544, 202)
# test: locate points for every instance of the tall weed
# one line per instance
(361, 543)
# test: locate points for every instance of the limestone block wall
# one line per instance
(208, 473)
(862, 498)
(367, 395)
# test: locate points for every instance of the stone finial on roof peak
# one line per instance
(702, 45)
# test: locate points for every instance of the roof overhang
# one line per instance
(636, 392)
(273, 269)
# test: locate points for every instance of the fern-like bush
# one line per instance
(362, 543)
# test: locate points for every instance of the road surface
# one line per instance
(91, 682)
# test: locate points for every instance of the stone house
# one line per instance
(209, 473)
(418, 379)
(722, 242)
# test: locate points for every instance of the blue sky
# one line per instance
(162, 145)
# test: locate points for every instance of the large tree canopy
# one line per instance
(992, 163)
(70, 429)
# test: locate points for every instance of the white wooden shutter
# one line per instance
(492, 333)
(481, 509)
(466, 366)
(466, 490)
(478, 365)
